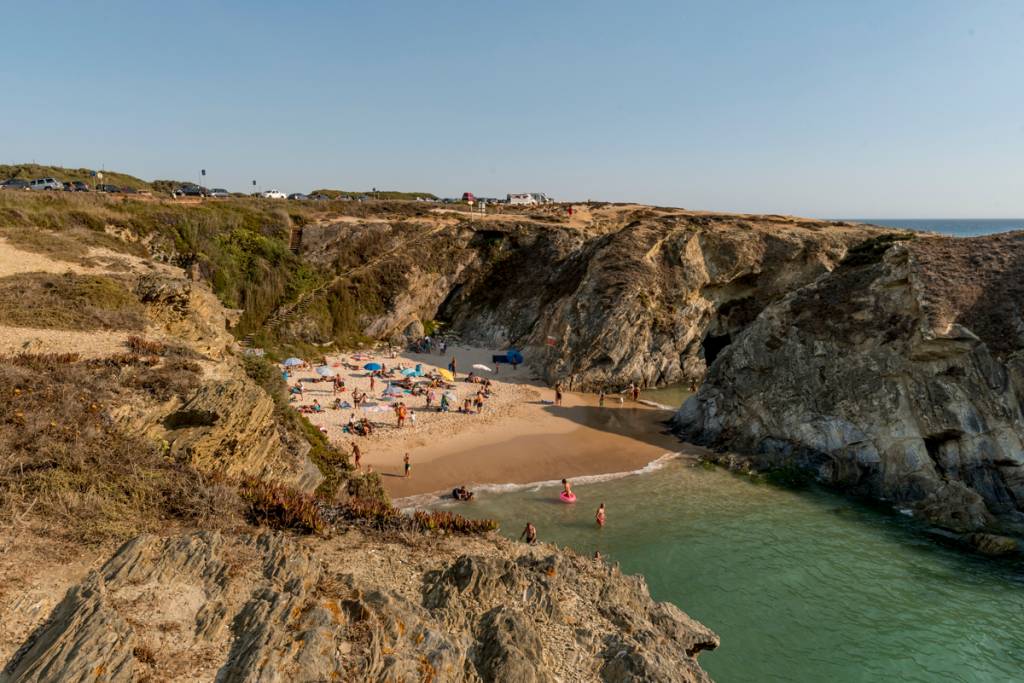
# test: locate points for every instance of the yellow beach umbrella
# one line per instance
(446, 374)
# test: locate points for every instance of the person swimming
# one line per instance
(566, 487)
(529, 533)
(600, 517)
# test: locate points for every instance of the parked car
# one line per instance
(76, 186)
(298, 196)
(14, 184)
(219, 192)
(192, 191)
(273, 194)
(107, 187)
(319, 197)
(129, 190)
(46, 184)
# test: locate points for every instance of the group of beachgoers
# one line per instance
(529, 533)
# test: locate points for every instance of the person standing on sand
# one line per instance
(634, 391)
(357, 456)
(599, 518)
(558, 393)
(529, 533)
(408, 466)
(451, 367)
(372, 382)
(430, 398)
(600, 397)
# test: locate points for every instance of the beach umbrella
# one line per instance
(481, 366)
(514, 356)
(325, 371)
(372, 367)
(392, 390)
(451, 396)
(410, 372)
(446, 374)
(292, 362)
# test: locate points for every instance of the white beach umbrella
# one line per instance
(481, 366)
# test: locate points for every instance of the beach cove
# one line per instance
(519, 437)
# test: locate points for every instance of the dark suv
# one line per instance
(107, 188)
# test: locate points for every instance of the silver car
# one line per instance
(46, 184)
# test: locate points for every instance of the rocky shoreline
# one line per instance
(898, 377)
(362, 605)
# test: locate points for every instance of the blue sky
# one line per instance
(874, 109)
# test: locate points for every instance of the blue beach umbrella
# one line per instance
(372, 366)
(292, 362)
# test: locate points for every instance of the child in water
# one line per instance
(566, 488)
(600, 515)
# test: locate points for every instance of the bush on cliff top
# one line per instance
(71, 471)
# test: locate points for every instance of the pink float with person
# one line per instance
(567, 496)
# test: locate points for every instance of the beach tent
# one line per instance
(481, 366)
(372, 367)
(446, 374)
(292, 362)
(325, 371)
(410, 372)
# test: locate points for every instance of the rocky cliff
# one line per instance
(898, 376)
(267, 607)
(615, 294)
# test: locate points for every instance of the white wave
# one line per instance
(659, 406)
(418, 502)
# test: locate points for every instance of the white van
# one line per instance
(46, 184)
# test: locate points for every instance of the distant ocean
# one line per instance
(961, 227)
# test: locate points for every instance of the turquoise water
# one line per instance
(800, 585)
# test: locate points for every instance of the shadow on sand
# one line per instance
(643, 424)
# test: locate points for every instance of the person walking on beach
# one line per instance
(558, 393)
(451, 367)
(599, 518)
(373, 382)
(357, 456)
(529, 534)
(430, 398)
(408, 466)
(600, 397)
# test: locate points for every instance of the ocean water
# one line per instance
(961, 227)
(801, 585)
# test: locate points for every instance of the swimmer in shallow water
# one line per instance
(529, 533)
(600, 517)
(566, 487)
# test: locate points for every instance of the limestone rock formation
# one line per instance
(898, 376)
(268, 607)
(632, 294)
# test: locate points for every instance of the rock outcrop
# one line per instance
(269, 607)
(632, 294)
(898, 376)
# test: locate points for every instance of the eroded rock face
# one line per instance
(636, 294)
(898, 376)
(264, 608)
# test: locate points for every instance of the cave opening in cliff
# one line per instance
(714, 344)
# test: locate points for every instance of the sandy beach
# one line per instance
(520, 436)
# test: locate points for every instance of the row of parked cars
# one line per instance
(190, 190)
(54, 185)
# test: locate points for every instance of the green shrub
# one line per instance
(69, 302)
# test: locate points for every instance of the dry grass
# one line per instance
(69, 302)
(70, 471)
